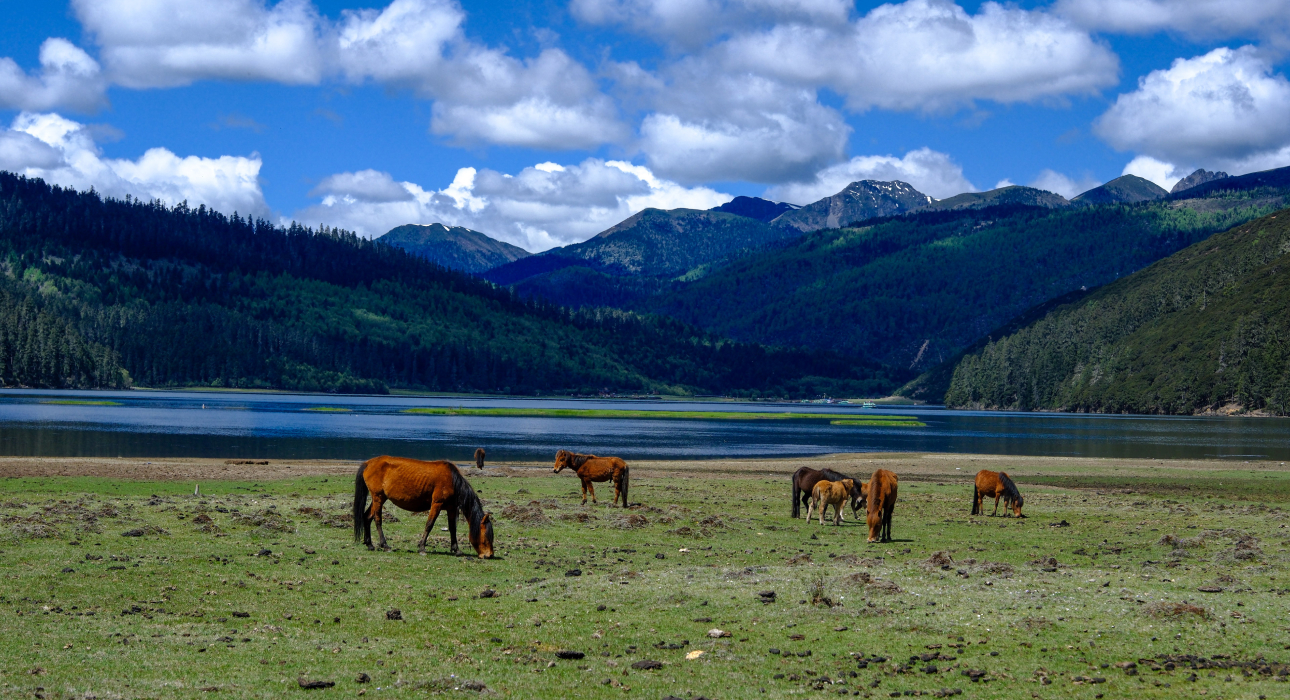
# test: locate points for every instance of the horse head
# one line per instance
(855, 493)
(482, 538)
(863, 500)
(563, 459)
(1016, 506)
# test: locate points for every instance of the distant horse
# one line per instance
(592, 468)
(418, 486)
(830, 493)
(479, 457)
(880, 497)
(996, 485)
(804, 483)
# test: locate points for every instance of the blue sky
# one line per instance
(542, 123)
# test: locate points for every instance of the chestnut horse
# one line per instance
(479, 457)
(830, 493)
(804, 480)
(418, 486)
(880, 496)
(592, 468)
(996, 485)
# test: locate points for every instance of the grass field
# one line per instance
(860, 419)
(138, 589)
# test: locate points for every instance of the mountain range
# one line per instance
(456, 248)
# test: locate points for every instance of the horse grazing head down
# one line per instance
(857, 494)
(479, 457)
(481, 538)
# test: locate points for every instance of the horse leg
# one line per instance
(452, 527)
(618, 489)
(434, 515)
(377, 502)
(810, 506)
(996, 507)
(886, 523)
(584, 492)
(592, 488)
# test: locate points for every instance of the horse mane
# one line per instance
(1010, 492)
(830, 475)
(468, 503)
(577, 460)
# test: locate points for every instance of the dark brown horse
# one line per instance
(996, 485)
(418, 486)
(880, 499)
(804, 481)
(592, 468)
(479, 457)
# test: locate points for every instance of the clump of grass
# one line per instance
(1175, 610)
(630, 521)
(817, 592)
(530, 514)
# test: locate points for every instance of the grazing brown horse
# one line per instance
(880, 496)
(830, 493)
(804, 480)
(479, 457)
(592, 468)
(996, 485)
(418, 486)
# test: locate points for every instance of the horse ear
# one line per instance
(485, 518)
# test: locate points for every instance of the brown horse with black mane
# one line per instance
(880, 499)
(592, 468)
(996, 485)
(479, 457)
(418, 486)
(804, 481)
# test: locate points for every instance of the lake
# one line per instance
(290, 426)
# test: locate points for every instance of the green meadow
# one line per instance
(1138, 589)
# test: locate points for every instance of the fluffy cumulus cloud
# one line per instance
(68, 78)
(930, 172)
(540, 207)
(1269, 19)
(1063, 184)
(63, 152)
(690, 23)
(1224, 109)
(1164, 174)
(160, 43)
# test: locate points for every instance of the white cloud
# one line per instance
(538, 208)
(1164, 174)
(930, 172)
(403, 43)
(692, 22)
(1062, 184)
(930, 55)
(161, 43)
(368, 185)
(1224, 107)
(1269, 19)
(63, 152)
(68, 78)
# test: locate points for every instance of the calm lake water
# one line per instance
(278, 426)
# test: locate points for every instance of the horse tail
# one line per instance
(975, 497)
(360, 502)
(626, 481)
(1010, 489)
(797, 498)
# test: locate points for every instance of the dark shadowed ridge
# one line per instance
(457, 247)
(757, 208)
(1129, 189)
(1013, 194)
(1275, 179)
(865, 199)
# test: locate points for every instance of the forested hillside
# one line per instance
(98, 293)
(913, 290)
(1207, 328)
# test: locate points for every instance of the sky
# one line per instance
(542, 123)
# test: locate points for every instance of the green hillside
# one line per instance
(912, 291)
(1207, 328)
(456, 248)
(105, 293)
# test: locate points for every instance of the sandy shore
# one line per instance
(917, 466)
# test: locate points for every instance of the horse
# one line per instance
(998, 485)
(830, 493)
(417, 486)
(479, 457)
(880, 497)
(592, 468)
(804, 480)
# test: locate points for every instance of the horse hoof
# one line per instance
(422, 552)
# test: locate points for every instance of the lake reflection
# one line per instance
(279, 426)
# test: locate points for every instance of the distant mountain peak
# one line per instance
(1011, 194)
(858, 201)
(1196, 179)
(755, 208)
(1126, 189)
(454, 247)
